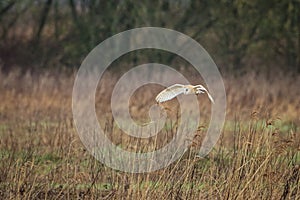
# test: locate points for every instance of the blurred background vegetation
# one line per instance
(239, 34)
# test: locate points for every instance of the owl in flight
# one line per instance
(177, 89)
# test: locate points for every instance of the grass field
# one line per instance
(42, 157)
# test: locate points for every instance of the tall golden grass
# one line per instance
(42, 157)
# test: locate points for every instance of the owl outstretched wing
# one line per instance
(200, 88)
(170, 93)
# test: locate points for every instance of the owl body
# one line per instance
(177, 89)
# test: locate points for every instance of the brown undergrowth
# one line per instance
(42, 157)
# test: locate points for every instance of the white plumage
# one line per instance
(177, 89)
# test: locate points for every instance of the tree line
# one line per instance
(239, 34)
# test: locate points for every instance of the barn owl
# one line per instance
(177, 89)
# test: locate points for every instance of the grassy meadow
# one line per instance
(42, 157)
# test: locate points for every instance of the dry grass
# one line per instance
(42, 157)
